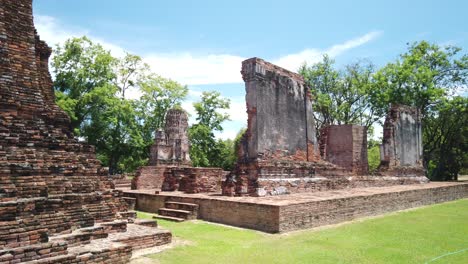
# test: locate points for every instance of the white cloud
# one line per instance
(193, 69)
(50, 30)
(199, 69)
(292, 62)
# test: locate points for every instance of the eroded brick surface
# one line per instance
(280, 141)
(346, 146)
(401, 150)
(171, 145)
(50, 184)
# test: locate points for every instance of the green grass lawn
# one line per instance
(415, 236)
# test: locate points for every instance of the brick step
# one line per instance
(33, 252)
(146, 222)
(176, 213)
(123, 181)
(123, 185)
(138, 236)
(82, 236)
(130, 215)
(130, 202)
(169, 218)
(101, 251)
(182, 206)
(67, 258)
(114, 226)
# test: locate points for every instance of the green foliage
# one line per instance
(373, 158)
(445, 135)
(79, 67)
(159, 95)
(421, 77)
(205, 150)
(341, 97)
(415, 236)
(91, 86)
(427, 76)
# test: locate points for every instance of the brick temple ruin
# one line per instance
(58, 205)
(56, 202)
(401, 150)
(280, 154)
(285, 179)
(169, 167)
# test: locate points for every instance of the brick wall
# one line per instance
(346, 146)
(185, 179)
(300, 212)
(332, 211)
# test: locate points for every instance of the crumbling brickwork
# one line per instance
(280, 117)
(346, 146)
(171, 145)
(50, 183)
(169, 166)
(279, 145)
(401, 149)
(179, 178)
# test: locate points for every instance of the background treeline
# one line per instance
(92, 86)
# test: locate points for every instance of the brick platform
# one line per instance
(285, 213)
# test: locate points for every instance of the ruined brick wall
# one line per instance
(279, 108)
(280, 141)
(401, 149)
(340, 209)
(346, 146)
(178, 178)
(49, 182)
(149, 177)
(171, 146)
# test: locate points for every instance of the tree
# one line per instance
(341, 97)
(92, 87)
(80, 66)
(373, 155)
(205, 150)
(446, 138)
(427, 76)
(158, 96)
(421, 77)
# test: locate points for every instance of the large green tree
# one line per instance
(81, 68)
(205, 150)
(427, 76)
(341, 96)
(421, 77)
(446, 138)
(92, 86)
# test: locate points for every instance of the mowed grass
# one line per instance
(416, 236)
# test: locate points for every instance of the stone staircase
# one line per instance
(106, 242)
(123, 184)
(178, 211)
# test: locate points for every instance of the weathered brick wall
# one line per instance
(262, 217)
(332, 211)
(280, 117)
(401, 149)
(49, 182)
(300, 212)
(346, 146)
(149, 177)
(185, 179)
(280, 139)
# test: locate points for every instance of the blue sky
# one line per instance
(202, 43)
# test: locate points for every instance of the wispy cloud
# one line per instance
(51, 31)
(292, 62)
(198, 69)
